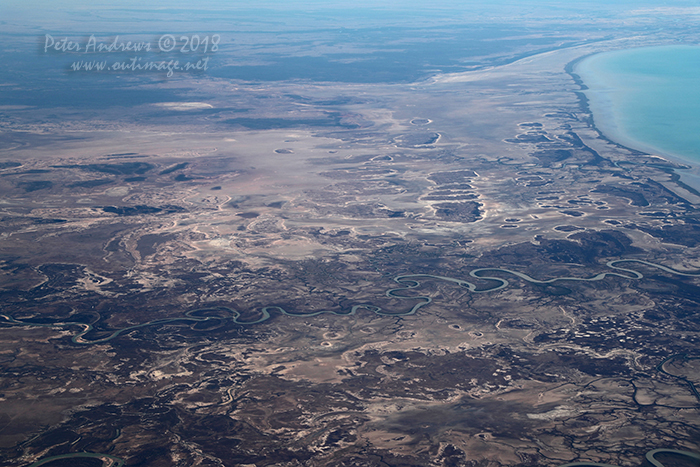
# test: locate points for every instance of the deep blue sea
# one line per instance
(647, 98)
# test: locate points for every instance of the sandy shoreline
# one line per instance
(598, 101)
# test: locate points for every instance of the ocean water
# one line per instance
(647, 98)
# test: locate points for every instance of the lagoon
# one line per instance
(647, 98)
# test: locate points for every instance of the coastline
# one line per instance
(687, 176)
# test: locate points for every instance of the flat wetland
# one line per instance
(451, 271)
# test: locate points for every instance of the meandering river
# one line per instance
(407, 282)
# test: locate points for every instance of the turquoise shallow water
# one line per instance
(647, 98)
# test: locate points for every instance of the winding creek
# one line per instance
(107, 460)
(407, 281)
(684, 356)
(111, 461)
(649, 456)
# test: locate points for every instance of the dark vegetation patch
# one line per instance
(420, 139)
(174, 168)
(367, 211)
(455, 197)
(456, 186)
(147, 244)
(421, 374)
(122, 154)
(642, 194)
(526, 138)
(141, 209)
(28, 172)
(568, 228)
(683, 234)
(635, 196)
(124, 168)
(35, 185)
(572, 213)
(131, 210)
(332, 119)
(562, 362)
(580, 248)
(75, 462)
(682, 289)
(552, 289)
(49, 221)
(549, 157)
(458, 176)
(579, 202)
(467, 211)
(517, 324)
(501, 418)
(248, 215)
(92, 183)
